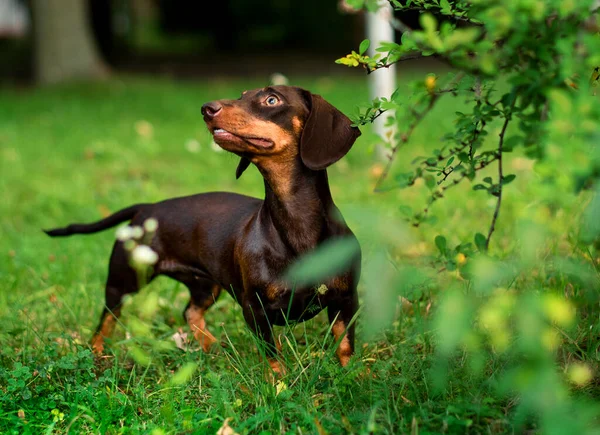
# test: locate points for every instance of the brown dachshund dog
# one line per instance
(220, 240)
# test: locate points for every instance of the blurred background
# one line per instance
(172, 37)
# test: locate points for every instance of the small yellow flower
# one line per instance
(279, 387)
(461, 258)
(430, 83)
(580, 374)
(559, 310)
(322, 289)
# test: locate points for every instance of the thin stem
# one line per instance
(404, 138)
(440, 193)
(507, 119)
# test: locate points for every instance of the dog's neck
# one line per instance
(298, 202)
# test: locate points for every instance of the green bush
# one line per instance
(519, 323)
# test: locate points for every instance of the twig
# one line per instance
(406, 135)
(403, 140)
(440, 193)
(373, 117)
(446, 174)
(507, 119)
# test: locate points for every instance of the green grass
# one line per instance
(74, 153)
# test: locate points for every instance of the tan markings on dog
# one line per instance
(195, 318)
(341, 283)
(242, 123)
(344, 350)
(297, 125)
(216, 290)
(277, 163)
(273, 291)
(106, 330)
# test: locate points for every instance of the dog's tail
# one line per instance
(114, 219)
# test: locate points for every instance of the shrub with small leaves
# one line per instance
(528, 67)
(526, 73)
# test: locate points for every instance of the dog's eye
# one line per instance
(271, 100)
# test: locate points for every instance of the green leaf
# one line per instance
(350, 60)
(450, 160)
(508, 178)
(356, 4)
(428, 22)
(430, 182)
(480, 187)
(507, 99)
(480, 242)
(140, 356)
(332, 257)
(184, 374)
(510, 143)
(487, 180)
(364, 46)
(460, 37)
(464, 157)
(405, 210)
(440, 242)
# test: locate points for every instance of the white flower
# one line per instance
(137, 232)
(124, 233)
(143, 255)
(279, 79)
(150, 225)
(192, 145)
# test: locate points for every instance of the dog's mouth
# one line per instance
(222, 135)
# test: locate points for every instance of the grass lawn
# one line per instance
(76, 153)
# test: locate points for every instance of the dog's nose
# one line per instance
(210, 110)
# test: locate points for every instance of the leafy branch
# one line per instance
(404, 137)
(507, 119)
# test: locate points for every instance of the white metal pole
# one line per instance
(382, 83)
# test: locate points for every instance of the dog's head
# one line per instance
(282, 121)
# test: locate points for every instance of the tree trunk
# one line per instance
(64, 45)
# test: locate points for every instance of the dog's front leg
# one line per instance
(341, 314)
(260, 326)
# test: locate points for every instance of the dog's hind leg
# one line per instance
(122, 279)
(204, 293)
(341, 314)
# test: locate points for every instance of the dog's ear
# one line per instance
(241, 167)
(327, 136)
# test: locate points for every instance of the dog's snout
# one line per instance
(212, 109)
